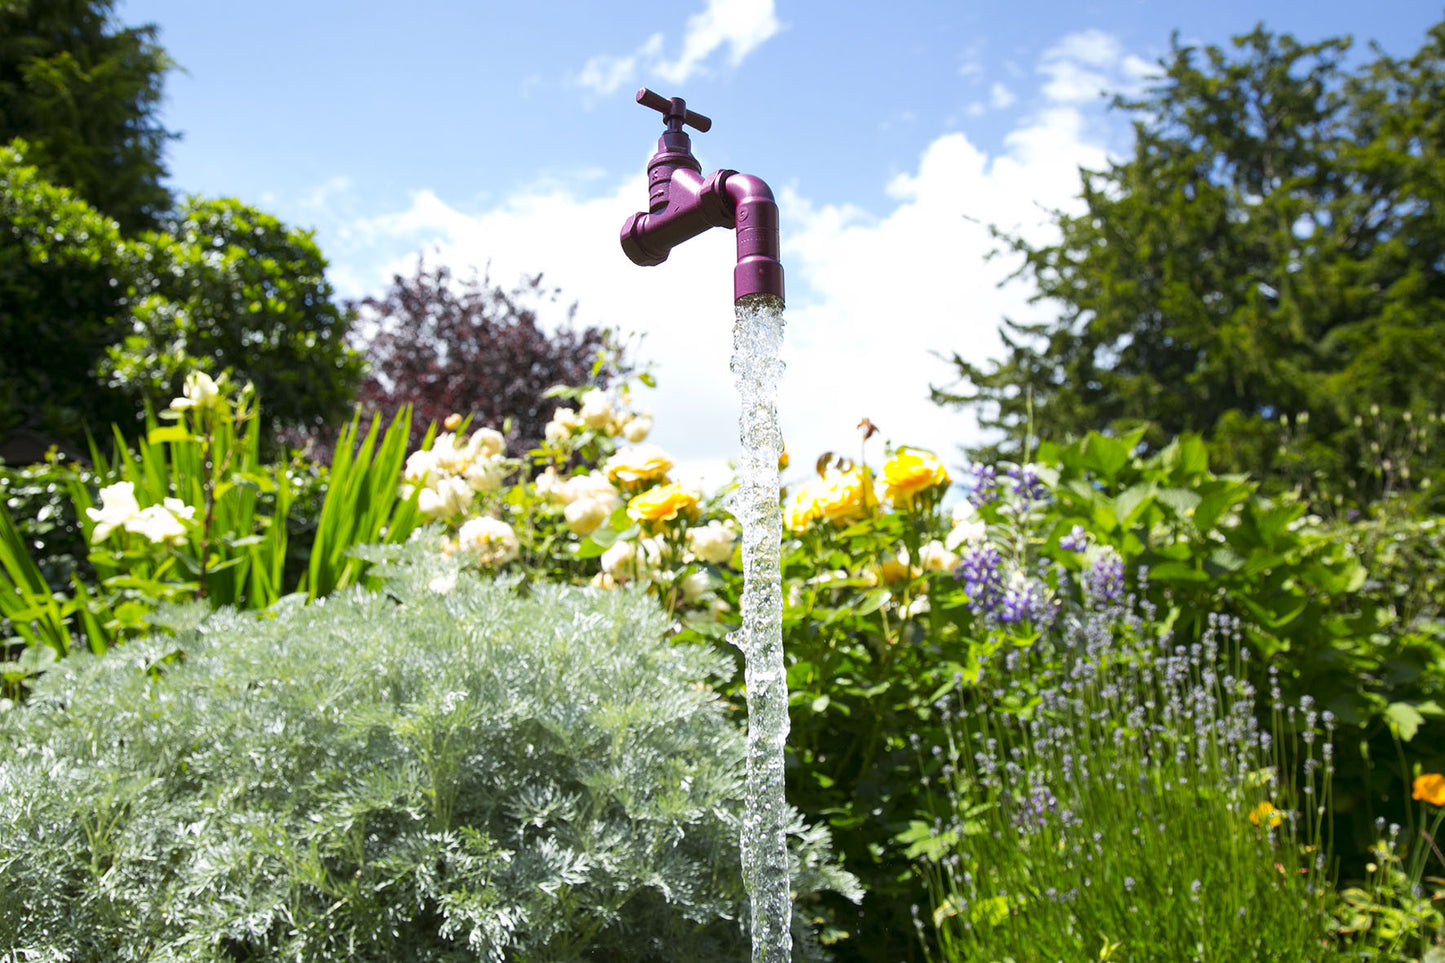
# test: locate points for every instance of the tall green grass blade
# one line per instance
(25, 598)
(362, 503)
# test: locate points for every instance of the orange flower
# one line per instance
(910, 472)
(1430, 787)
(1266, 813)
(661, 504)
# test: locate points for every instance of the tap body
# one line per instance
(682, 203)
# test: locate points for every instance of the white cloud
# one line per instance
(605, 74)
(1083, 66)
(737, 26)
(1000, 97)
(870, 296)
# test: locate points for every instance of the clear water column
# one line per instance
(758, 366)
(681, 204)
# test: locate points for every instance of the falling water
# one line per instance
(757, 341)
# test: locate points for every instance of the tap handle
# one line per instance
(674, 111)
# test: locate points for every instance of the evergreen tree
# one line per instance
(1267, 268)
(84, 92)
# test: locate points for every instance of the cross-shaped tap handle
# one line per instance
(674, 111)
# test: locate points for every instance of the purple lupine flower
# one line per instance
(984, 487)
(981, 572)
(1025, 482)
(1076, 541)
(1026, 600)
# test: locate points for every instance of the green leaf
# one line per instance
(168, 433)
(1404, 719)
(1132, 502)
(1105, 456)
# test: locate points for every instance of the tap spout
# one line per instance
(691, 204)
(755, 216)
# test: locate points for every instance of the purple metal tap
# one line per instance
(682, 204)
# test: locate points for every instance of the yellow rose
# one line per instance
(912, 471)
(660, 504)
(843, 496)
(638, 463)
(800, 510)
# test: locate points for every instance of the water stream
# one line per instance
(757, 365)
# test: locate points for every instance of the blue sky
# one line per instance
(505, 135)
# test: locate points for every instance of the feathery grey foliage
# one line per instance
(473, 774)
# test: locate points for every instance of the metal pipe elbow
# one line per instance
(755, 220)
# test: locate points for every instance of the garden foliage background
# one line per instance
(1160, 674)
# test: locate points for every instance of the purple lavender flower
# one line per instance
(1104, 581)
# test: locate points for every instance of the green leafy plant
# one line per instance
(442, 770)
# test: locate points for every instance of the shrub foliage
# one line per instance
(443, 771)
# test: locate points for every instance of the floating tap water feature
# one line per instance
(681, 205)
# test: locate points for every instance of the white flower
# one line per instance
(693, 584)
(484, 473)
(592, 485)
(637, 429)
(117, 506)
(967, 526)
(443, 584)
(712, 542)
(596, 410)
(490, 541)
(935, 557)
(446, 455)
(179, 508)
(626, 559)
(199, 392)
(487, 442)
(550, 484)
(419, 464)
(559, 429)
(444, 498)
(586, 515)
(157, 524)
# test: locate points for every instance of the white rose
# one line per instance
(419, 464)
(935, 557)
(445, 498)
(586, 515)
(446, 455)
(490, 541)
(487, 442)
(592, 485)
(596, 410)
(550, 484)
(637, 429)
(693, 584)
(712, 542)
(484, 474)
